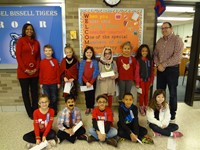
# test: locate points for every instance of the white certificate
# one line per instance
(78, 125)
(85, 88)
(40, 146)
(107, 74)
(68, 87)
(139, 90)
(101, 126)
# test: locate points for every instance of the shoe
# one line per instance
(141, 109)
(91, 139)
(83, 137)
(52, 143)
(177, 134)
(57, 140)
(173, 121)
(147, 140)
(112, 142)
(156, 134)
(87, 111)
(29, 145)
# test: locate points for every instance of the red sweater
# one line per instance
(49, 71)
(124, 74)
(42, 122)
(87, 74)
(28, 56)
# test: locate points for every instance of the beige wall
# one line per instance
(10, 92)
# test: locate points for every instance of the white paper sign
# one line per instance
(85, 88)
(107, 74)
(40, 146)
(77, 126)
(68, 87)
(171, 144)
(139, 90)
(101, 126)
(135, 16)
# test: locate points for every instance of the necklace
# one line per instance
(107, 67)
(32, 48)
(69, 62)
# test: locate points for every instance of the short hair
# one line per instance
(48, 46)
(102, 96)
(128, 94)
(70, 96)
(44, 96)
(170, 25)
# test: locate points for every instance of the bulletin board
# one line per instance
(101, 27)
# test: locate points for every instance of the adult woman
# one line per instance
(28, 58)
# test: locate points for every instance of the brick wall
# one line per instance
(10, 91)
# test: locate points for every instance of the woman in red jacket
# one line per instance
(28, 58)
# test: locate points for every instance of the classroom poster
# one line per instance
(101, 27)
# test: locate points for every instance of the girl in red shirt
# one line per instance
(43, 120)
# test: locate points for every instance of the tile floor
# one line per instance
(13, 125)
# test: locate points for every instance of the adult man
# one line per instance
(167, 57)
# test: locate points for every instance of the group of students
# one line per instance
(158, 117)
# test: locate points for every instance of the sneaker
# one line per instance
(141, 109)
(87, 111)
(173, 121)
(52, 143)
(91, 139)
(83, 137)
(112, 142)
(177, 134)
(29, 145)
(57, 140)
(147, 140)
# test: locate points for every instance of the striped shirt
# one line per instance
(168, 51)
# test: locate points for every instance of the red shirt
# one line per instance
(42, 122)
(28, 56)
(87, 74)
(49, 71)
(126, 74)
(106, 115)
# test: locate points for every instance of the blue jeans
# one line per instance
(52, 91)
(169, 78)
(111, 133)
(124, 87)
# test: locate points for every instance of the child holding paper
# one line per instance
(69, 71)
(126, 67)
(158, 116)
(49, 76)
(144, 75)
(43, 119)
(88, 72)
(128, 125)
(102, 120)
(68, 120)
(106, 84)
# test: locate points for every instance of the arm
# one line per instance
(151, 118)
(137, 74)
(166, 116)
(19, 54)
(96, 72)
(36, 126)
(49, 124)
(61, 120)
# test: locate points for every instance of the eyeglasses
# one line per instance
(165, 28)
(107, 53)
(102, 102)
(44, 102)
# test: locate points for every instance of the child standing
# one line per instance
(126, 68)
(69, 117)
(88, 72)
(69, 70)
(105, 114)
(49, 76)
(158, 116)
(128, 125)
(144, 75)
(106, 85)
(43, 119)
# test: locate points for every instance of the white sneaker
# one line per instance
(29, 145)
(173, 121)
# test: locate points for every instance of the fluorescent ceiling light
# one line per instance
(175, 18)
(179, 9)
(159, 24)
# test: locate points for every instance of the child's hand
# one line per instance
(88, 84)
(65, 79)
(133, 137)
(112, 77)
(41, 86)
(164, 126)
(43, 138)
(71, 80)
(101, 137)
(38, 142)
(58, 85)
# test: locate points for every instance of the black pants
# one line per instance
(123, 134)
(169, 78)
(29, 88)
(30, 137)
(62, 135)
(90, 97)
(166, 131)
